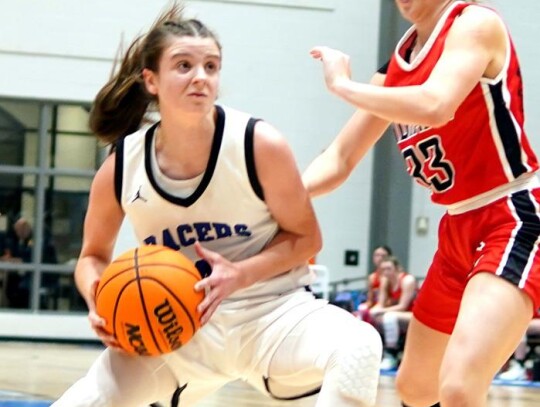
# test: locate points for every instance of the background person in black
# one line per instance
(18, 242)
(18, 248)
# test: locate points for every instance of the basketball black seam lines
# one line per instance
(115, 309)
(119, 273)
(128, 283)
(178, 300)
(145, 311)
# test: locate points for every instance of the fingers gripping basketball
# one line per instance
(148, 300)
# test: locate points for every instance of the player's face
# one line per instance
(417, 10)
(188, 76)
(378, 255)
(388, 269)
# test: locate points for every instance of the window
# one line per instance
(47, 160)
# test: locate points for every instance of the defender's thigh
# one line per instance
(492, 320)
(511, 248)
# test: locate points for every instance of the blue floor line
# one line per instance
(10, 398)
(516, 383)
(495, 382)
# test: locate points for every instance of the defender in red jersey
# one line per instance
(453, 91)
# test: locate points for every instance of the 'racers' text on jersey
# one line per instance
(187, 234)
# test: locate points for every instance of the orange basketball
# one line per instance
(148, 300)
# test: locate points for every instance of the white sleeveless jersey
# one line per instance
(224, 208)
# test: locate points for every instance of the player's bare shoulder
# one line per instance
(106, 171)
(268, 139)
(482, 31)
(481, 22)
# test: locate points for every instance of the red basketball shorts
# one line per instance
(501, 238)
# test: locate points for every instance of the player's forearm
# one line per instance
(324, 175)
(397, 307)
(87, 273)
(407, 104)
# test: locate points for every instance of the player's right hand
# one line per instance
(97, 323)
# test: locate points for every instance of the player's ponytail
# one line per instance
(120, 105)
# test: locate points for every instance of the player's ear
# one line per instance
(150, 81)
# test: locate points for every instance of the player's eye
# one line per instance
(183, 66)
(211, 67)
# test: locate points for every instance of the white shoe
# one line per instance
(514, 372)
(388, 362)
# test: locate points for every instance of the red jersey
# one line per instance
(484, 146)
(394, 294)
(374, 286)
(375, 279)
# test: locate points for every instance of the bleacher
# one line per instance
(341, 294)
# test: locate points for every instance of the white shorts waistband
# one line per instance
(527, 182)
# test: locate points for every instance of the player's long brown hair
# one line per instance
(122, 102)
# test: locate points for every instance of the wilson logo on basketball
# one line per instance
(135, 339)
(167, 319)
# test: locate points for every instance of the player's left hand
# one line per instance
(224, 280)
(336, 65)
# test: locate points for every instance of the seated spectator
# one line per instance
(516, 366)
(18, 249)
(374, 281)
(392, 313)
(18, 246)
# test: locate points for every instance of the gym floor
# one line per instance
(32, 374)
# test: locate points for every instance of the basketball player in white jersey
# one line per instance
(453, 90)
(209, 181)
